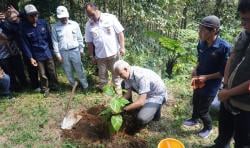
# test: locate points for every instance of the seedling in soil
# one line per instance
(112, 114)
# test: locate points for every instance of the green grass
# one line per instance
(34, 121)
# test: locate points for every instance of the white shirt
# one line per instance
(145, 81)
(103, 34)
(66, 36)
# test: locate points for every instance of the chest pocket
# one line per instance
(32, 38)
(59, 34)
(43, 32)
(107, 28)
(74, 34)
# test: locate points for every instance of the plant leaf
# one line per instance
(123, 101)
(116, 122)
(108, 90)
(115, 105)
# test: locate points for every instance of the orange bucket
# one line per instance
(170, 143)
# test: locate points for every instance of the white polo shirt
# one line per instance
(104, 35)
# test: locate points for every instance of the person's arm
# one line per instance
(80, 39)
(137, 104)
(128, 94)
(55, 43)
(91, 48)
(89, 41)
(49, 40)
(204, 78)
(226, 73)
(122, 43)
(119, 30)
(225, 94)
(26, 48)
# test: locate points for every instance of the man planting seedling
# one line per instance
(149, 86)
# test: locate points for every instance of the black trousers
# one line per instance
(18, 69)
(32, 72)
(201, 106)
(237, 126)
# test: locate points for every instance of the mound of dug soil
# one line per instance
(92, 129)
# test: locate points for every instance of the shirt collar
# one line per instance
(216, 43)
(61, 24)
(92, 22)
(131, 73)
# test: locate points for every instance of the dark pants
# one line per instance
(237, 126)
(33, 73)
(201, 105)
(18, 69)
(47, 74)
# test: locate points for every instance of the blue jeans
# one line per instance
(72, 58)
(5, 85)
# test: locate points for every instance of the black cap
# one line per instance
(211, 21)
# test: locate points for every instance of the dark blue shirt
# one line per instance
(212, 60)
(37, 41)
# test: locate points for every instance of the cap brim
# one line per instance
(207, 25)
(62, 16)
(32, 13)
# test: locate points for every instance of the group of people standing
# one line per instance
(24, 38)
(218, 60)
(30, 41)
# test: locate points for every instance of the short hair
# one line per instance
(120, 64)
(243, 6)
(92, 5)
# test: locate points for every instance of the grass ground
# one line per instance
(33, 121)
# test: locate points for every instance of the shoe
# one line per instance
(204, 133)
(38, 89)
(190, 122)
(46, 93)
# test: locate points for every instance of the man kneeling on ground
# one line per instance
(150, 87)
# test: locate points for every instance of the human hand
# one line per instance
(33, 62)
(122, 51)
(11, 9)
(93, 60)
(2, 16)
(224, 95)
(60, 59)
(203, 78)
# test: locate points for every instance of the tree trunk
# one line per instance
(184, 19)
(218, 6)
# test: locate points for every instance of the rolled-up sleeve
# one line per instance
(144, 86)
(117, 25)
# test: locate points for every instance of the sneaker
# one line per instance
(46, 93)
(38, 89)
(204, 133)
(190, 122)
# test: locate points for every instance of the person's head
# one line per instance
(92, 11)
(209, 28)
(122, 69)
(62, 14)
(12, 16)
(31, 13)
(244, 11)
